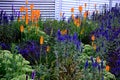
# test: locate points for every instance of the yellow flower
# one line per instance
(21, 28)
(107, 68)
(41, 40)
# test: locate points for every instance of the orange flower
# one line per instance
(92, 37)
(60, 14)
(48, 48)
(72, 9)
(85, 15)
(41, 40)
(98, 59)
(18, 19)
(22, 9)
(26, 1)
(85, 5)
(73, 16)
(27, 18)
(21, 28)
(31, 6)
(63, 32)
(80, 8)
(23, 17)
(107, 68)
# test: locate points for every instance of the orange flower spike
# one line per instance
(18, 19)
(107, 68)
(26, 1)
(60, 14)
(31, 6)
(73, 17)
(27, 18)
(80, 8)
(22, 9)
(72, 9)
(41, 40)
(93, 38)
(98, 59)
(48, 48)
(85, 15)
(21, 28)
(23, 17)
(26, 9)
(85, 5)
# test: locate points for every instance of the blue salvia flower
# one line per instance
(94, 64)
(75, 37)
(86, 65)
(102, 78)
(92, 59)
(102, 65)
(5, 19)
(99, 67)
(33, 75)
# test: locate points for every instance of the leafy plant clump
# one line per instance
(13, 66)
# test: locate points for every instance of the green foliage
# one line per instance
(33, 33)
(13, 66)
(92, 72)
(9, 34)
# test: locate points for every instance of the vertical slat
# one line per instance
(46, 7)
(68, 4)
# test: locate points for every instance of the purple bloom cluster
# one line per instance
(68, 38)
(109, 30)
(30, 50)
(4, 46)
(6, 18)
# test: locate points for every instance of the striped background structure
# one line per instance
(52, 8)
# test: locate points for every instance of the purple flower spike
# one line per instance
(33, 75)
(86, 65)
